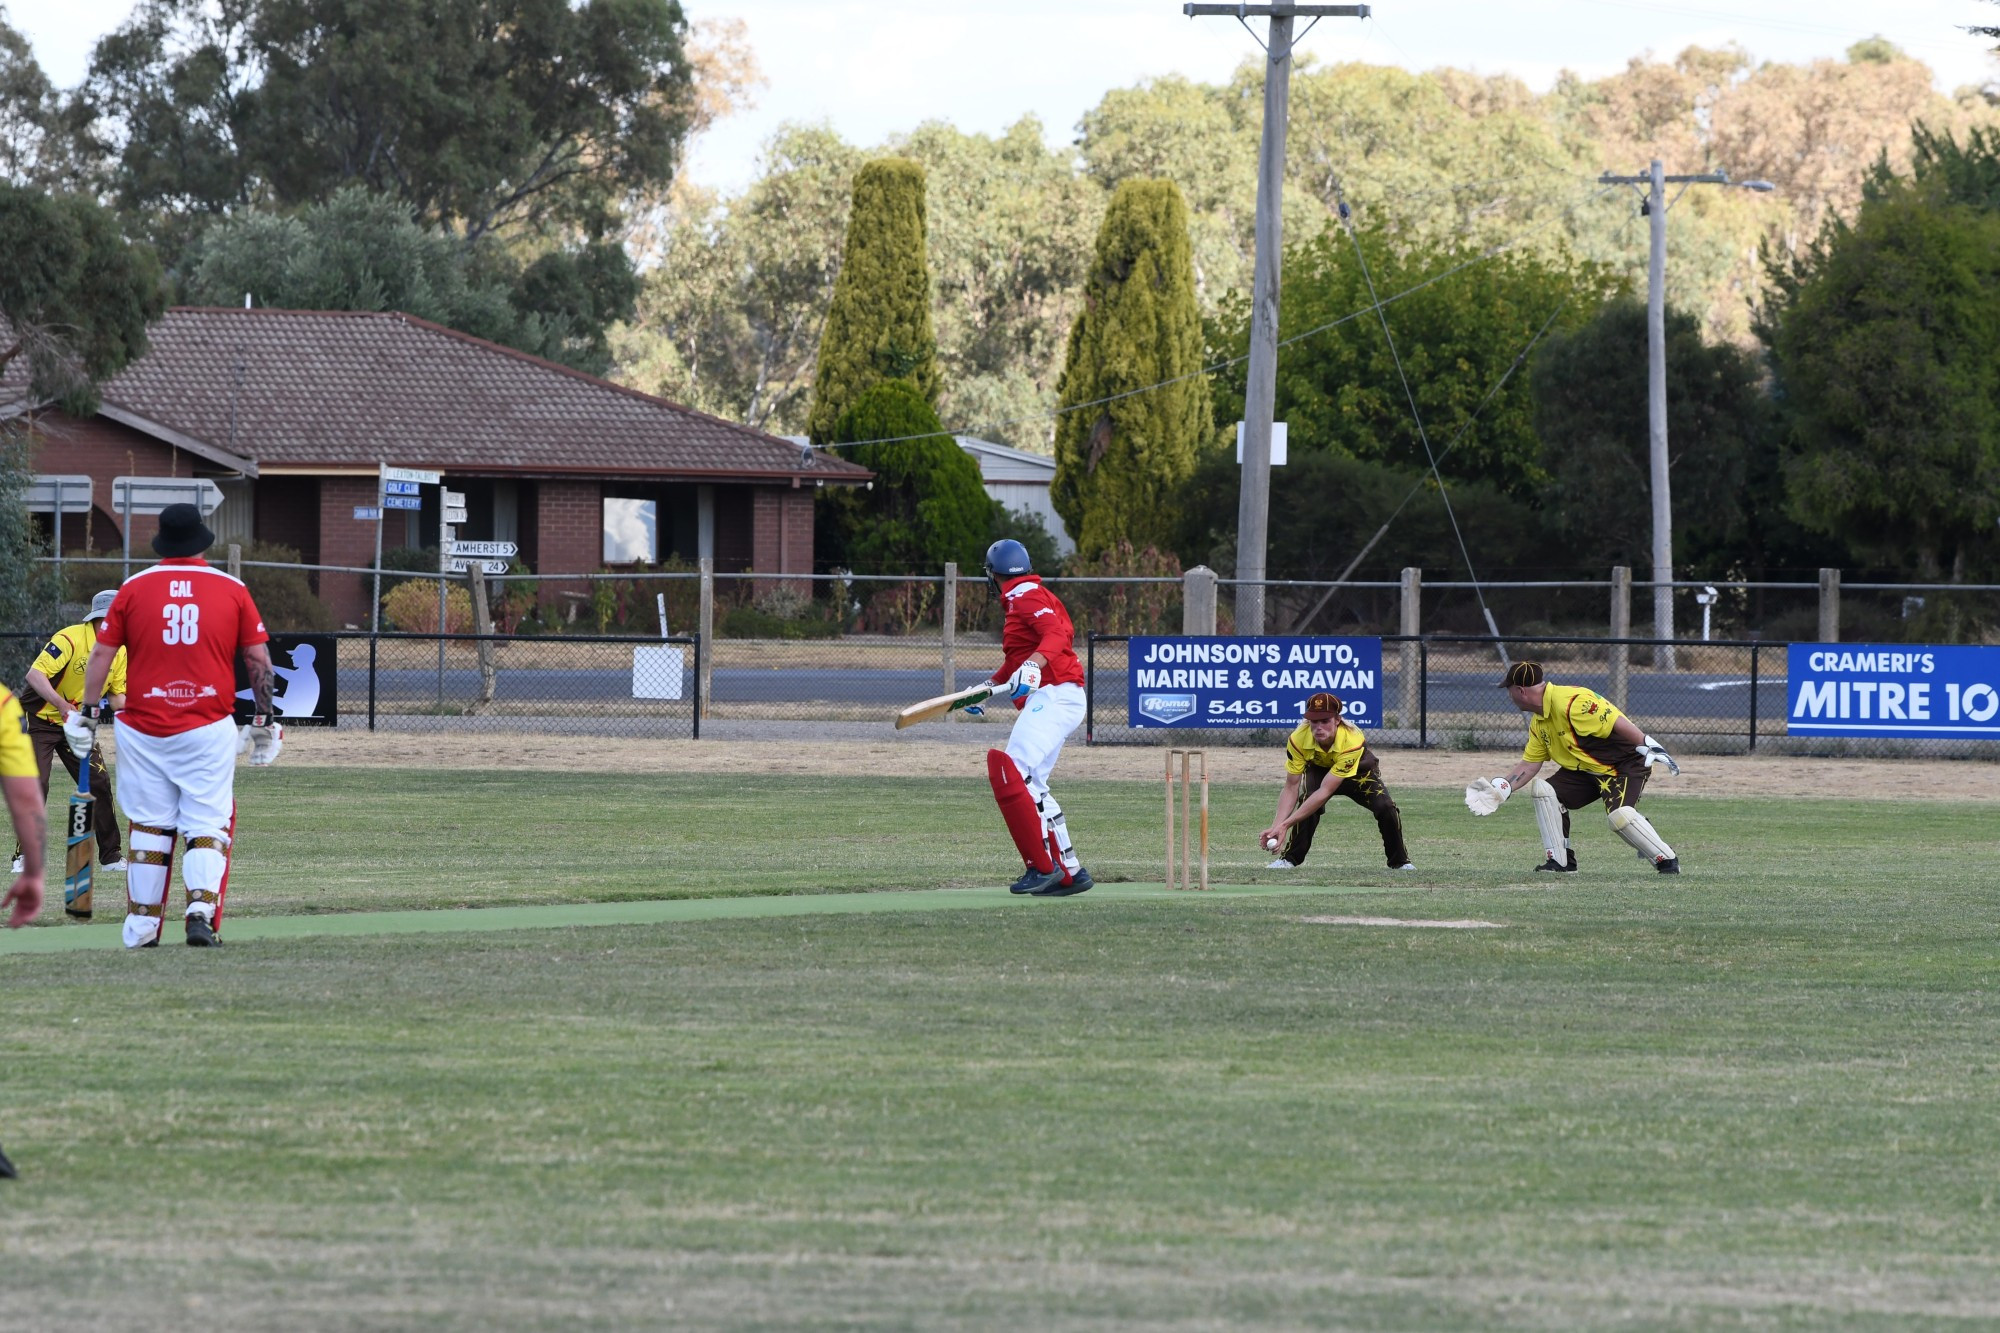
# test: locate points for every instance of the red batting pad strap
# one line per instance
(1017, 807)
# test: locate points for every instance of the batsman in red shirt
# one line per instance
(182, 623)
(1046, 684)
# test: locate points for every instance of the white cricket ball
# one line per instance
(1270, 844)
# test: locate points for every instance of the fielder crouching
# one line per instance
(182, 624)
(1046, 684)
(1600, 755)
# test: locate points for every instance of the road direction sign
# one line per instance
(367, 513)
(402, 502)
(401, 488)
(483, 548)
(417, 475)
(149, 495)
(454, 499)
(454, 515)
(73, 487)
(456, 566)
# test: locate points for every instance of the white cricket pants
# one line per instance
(1043, 724)
(185, 783)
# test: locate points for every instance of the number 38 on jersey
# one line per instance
(183, 620)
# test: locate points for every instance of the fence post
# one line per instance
(948, 631)
(1829, 606)
(1411, 626)
(707, 631)
(235, 561)
(1198, 601)
(482, 624)
(1621, 628)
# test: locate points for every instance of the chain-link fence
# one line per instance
(1719, 697)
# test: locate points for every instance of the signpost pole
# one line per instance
(375, 601)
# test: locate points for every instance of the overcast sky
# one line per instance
(872, 67)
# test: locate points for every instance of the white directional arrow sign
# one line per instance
(502, 549)
(455, 566)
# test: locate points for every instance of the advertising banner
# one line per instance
(1892, 689)
(307, 692)
(1194, 681)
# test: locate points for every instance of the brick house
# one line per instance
(290, 413)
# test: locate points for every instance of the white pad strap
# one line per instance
(1549, 819)
(1638, 833)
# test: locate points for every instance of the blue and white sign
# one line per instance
(402, 502)
(1249, 682)
(401, 488)
(1892, 689)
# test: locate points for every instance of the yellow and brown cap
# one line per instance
(1323, 707)
(1526, 675)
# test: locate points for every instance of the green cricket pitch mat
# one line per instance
(100, 933)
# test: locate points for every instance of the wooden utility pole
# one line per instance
(1253, 506)
(1655, 181)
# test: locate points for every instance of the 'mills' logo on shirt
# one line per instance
(181, 693)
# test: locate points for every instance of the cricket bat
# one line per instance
(82, 845)
(932, 709)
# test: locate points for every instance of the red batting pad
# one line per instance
(1017, 807)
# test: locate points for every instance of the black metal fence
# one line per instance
(1719, 697)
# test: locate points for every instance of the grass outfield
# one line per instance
(1761, 1095)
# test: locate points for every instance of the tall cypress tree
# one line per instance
(1120, 459)
(927, 505)
(879, 325)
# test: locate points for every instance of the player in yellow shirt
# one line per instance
(1600, 755)
(1326, 757)
(57, 677)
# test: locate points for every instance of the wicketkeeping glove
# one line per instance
(263, 738)
(1652, 752)
(1484, 795)
(80, 730)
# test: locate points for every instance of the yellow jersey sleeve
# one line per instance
(1348, 743)
(114, 683)
(17, 757)
(63, 660)
(1536, 751)
(1298, 749)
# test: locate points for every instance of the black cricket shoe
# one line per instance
(7, 1171)
(1034, 881)
(1553, 868)
(200, 934)
(1080, 882)
(1670, 866)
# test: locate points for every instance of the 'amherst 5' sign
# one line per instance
(1907, 690)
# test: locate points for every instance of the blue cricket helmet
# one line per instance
(1007, 558)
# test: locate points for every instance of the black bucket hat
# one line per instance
(182, 533)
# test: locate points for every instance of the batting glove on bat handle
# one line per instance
(80, 731)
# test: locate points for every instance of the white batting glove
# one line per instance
(1652, 752)
(1027, 678)
(81, 733)
(263, 738)
(1484, 795)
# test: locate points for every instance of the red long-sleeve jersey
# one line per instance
(1037, 622)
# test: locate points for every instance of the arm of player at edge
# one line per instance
(24, 806)
(257, 666)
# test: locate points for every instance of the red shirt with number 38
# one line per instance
(182, 623)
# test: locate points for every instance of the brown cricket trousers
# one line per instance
(49, 742)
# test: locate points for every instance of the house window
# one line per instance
(631, 532)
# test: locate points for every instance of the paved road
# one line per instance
(1686, 695)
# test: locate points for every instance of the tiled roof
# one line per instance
(297, 388)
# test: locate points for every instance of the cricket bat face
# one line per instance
(82, 854)
(932, 709)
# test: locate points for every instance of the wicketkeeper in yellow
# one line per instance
(1600, 755)
(57, 677)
